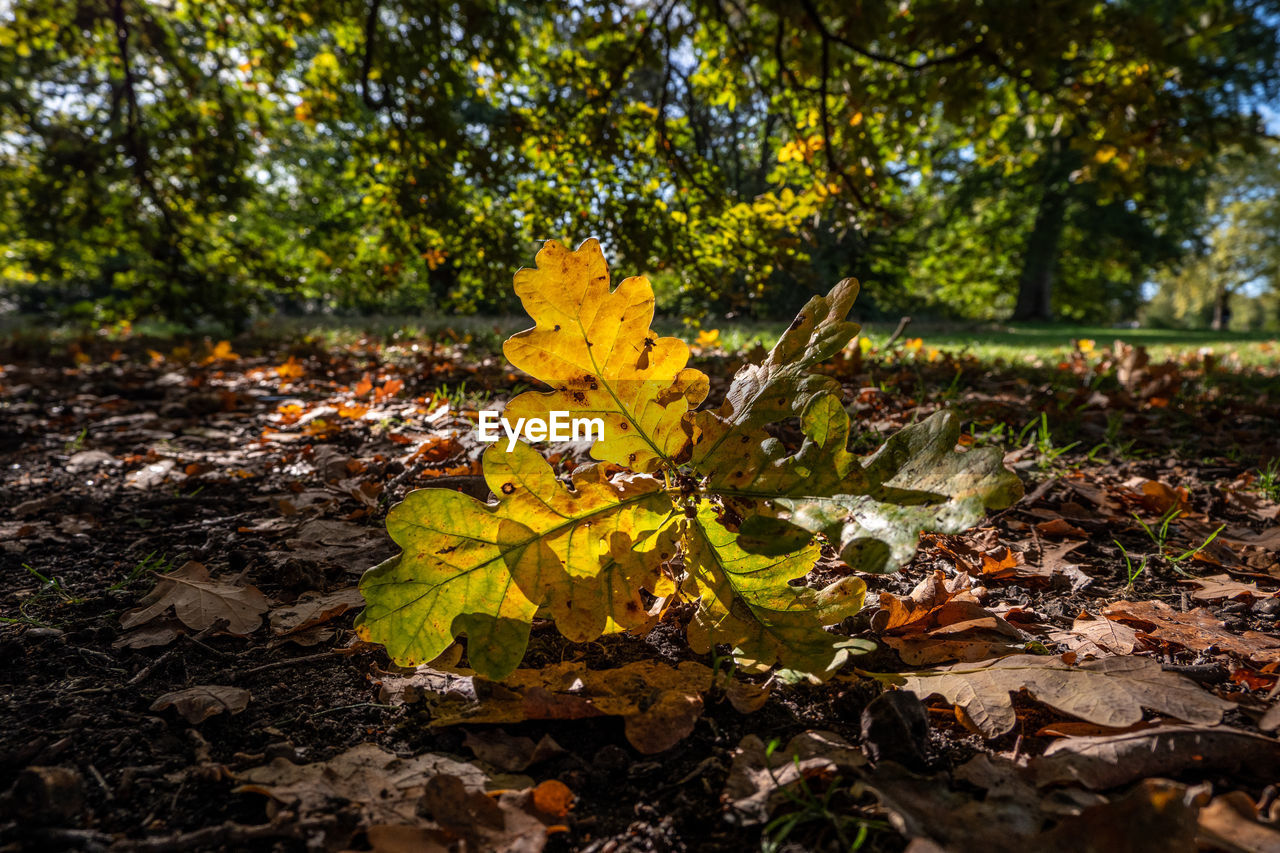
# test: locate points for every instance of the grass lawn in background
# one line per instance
(1013, 342)
(1010, 342)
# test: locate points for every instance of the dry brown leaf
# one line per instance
(1271, 719)
(463, 812)
(1113, 760)
(1075, 728)
(1054, 558)
(198, 704)
(1110, 691)
(1096, 637)
(314, 608)
(1157, 816)
(1268, 539)
(1194, 629)
(659, 704)
(161, 632)
(745, 697)
(1060, 527)
(1218, 587)
(1003, 562)
(1230, 823)
(926, 651)
(510, 753)
(942, 621)
(1158, 497)
(312, 636)
(760, 780)
(1255, 505)
(392, 795)
(1091, 492)
(199, 601)
(385, 787)
(965, 550)
(324, 531)
(984, 556)
(513, 822)
(899, 614)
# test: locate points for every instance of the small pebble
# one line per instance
(1268, 608)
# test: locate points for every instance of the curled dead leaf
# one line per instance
(198, 704)
(313, 608)
(1092, 636)
(1218, 587)
(659, 704)
(384, 787)
(1109, 761)
(509, 753)
(1230, 822)
(942, 620)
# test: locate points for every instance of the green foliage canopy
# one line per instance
(208, 159)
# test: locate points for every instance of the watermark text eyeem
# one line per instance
(557, 426)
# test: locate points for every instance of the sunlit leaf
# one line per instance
(730, 526)
(594, 347)
(484, 569)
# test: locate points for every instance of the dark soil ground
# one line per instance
(274, 465)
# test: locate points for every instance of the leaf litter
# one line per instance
(241, 457)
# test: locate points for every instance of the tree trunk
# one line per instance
(1221, 309)
(1035, 285)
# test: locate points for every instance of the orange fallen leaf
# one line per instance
(389, 389)
(1061, 527)
(553, 798)
(222, 351)
(1002, 562)
(291, 369)
(289, 413)
(1195, 629)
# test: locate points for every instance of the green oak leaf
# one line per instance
(747, 601)
(917, 481)
(780, 386)
(483, 570)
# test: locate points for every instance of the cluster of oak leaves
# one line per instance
(702, 506)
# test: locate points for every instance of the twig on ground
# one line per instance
(227, 835)
(280, 664)
(897, 333)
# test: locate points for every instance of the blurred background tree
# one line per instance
(984, 159)
(1227, 276)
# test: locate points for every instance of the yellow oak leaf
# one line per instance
(484, 569)
(595, 348)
